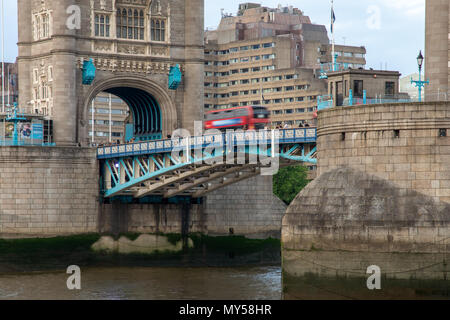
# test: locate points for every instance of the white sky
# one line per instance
(393, 31)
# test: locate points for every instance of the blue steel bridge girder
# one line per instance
(195, 166)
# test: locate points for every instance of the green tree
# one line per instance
(289, 181)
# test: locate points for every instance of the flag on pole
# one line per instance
(333, 19)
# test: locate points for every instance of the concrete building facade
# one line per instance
(133, 44)
(110, 117)
(271, 57)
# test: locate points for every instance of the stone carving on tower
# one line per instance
(146, 23)
(42, 90)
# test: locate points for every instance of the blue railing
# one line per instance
(284, 136)
(360, 101)
(324, 102)
(11, 143)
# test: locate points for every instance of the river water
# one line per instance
(247, 283)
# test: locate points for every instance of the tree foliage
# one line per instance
(289, 181)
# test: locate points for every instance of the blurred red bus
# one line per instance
(247, 118)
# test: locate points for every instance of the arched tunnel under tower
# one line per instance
(145, 121)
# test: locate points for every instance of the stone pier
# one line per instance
(382, 196)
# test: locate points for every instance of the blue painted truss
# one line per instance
(195, 166)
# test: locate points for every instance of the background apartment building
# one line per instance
(271, 57)
(110, 115)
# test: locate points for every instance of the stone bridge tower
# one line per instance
(133, 44)
(437, 43)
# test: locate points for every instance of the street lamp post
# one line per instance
(420, 84)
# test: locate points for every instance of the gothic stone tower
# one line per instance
(133, 44)
(437, 55)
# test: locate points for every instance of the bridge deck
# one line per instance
(284, 136)
(194, 166)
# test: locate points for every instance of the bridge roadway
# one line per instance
(199, 165)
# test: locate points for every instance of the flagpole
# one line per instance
(93, 121)
(3, 58)
(9, 91)
(333, 58)
(110, 119)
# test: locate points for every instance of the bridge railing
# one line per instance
(282, 136)
(326, 101)
(24, 143)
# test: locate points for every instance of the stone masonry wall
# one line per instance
(48, 191)
(247, 208)
(401, 143)
(151, 218)
(55, 191)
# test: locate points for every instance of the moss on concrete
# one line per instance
(19, 255)
(56, 245)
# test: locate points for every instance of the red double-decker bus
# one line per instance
(247, 118)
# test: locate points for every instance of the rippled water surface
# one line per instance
(149, 283)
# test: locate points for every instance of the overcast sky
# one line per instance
(393, 31)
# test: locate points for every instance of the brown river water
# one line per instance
(247, 283)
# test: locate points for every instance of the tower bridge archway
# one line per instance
(152, 111)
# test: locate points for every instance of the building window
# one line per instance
(130, 24)
(102, 25)
(50, 73)
(390, 88)
(268, 56)
(45, 26)
(159, 30)
(358, 88)
(41, 25)
(35, 75)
